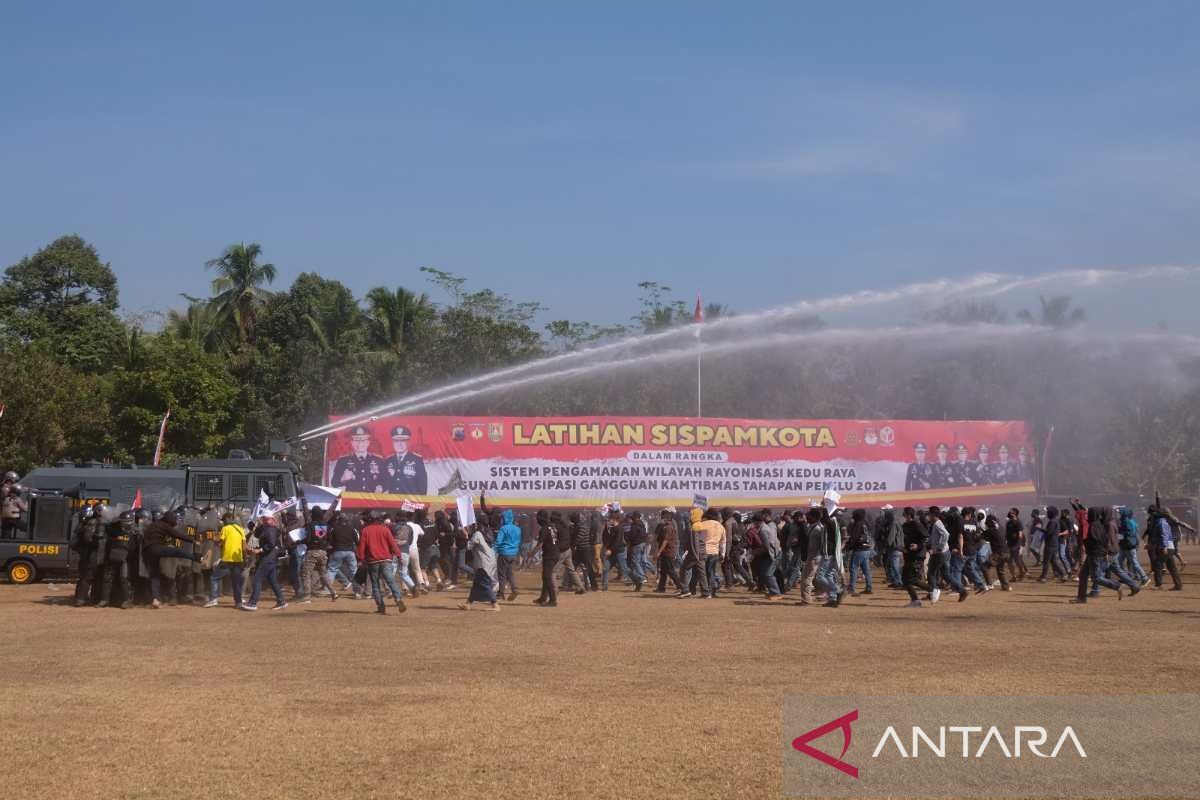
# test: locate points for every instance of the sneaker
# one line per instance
(830, 604)
(279, 606)
(333, 596)
(249, 607)
(1079, 601)
(914, 604)
(539, 602)
(304, 601)
(211, 604)
(868, 591)
(681, 595)
(451, 587)
(774, 597)
(963, 595)
(995, 584)
(400, 605)
(155, 604)
(381, 610)
(934, 596)
(512, 596)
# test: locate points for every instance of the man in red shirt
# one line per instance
(377, 548)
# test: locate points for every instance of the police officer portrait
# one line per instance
(405, 470)
(920, 473)
(361, 470)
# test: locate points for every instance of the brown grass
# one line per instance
(612, 695)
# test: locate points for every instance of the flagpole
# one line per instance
(698, 319)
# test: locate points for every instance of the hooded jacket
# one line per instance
(893, 533)
(1095, 541)
(1052, 528)
(508, 538)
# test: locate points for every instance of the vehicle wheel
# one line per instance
(21, 572)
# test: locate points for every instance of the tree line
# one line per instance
(254, 362)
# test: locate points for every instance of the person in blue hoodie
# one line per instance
(507, 547)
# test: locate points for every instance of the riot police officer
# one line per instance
(405, 470)
(118, 544)
(12, 508)
(88, 543)
(208, 530)
(362, 470)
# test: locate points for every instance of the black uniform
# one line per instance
(548, 540)
(89, 544)
(406, 474)
(367, 474)
(115, 567)
(916, 539)
(918, 477)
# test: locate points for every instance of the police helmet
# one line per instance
(11, 477)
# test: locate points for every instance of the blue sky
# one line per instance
(757, 152)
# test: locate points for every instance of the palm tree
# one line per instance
(397, 317)
(332, 324)
(237, 291)
(1056, 312)
(200, 324)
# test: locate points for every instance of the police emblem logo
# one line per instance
(496, 431)
(887, 436)
(476, 433)
(851, 438)
(458, 431)
(870, 437)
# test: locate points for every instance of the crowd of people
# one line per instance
(815, 555)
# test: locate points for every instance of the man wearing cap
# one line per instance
(964, 470)
(920, 473)
(943, 471)
(405, 471)
(984, 469)
(361, 470)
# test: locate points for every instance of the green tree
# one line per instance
(970, 312)
(1055, 312)
(63, 299)
(238, 291)
(398, 318)
(52, 411)
(173, 374)
(199, 323)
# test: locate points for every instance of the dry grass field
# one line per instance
(611, 695)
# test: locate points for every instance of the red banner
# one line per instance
(654, 461)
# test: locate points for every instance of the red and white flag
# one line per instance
(162, 434)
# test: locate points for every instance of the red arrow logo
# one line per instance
(801, 743)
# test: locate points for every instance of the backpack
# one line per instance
(1129, 532)
(753, 540)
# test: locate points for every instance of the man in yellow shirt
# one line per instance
(232, 540)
